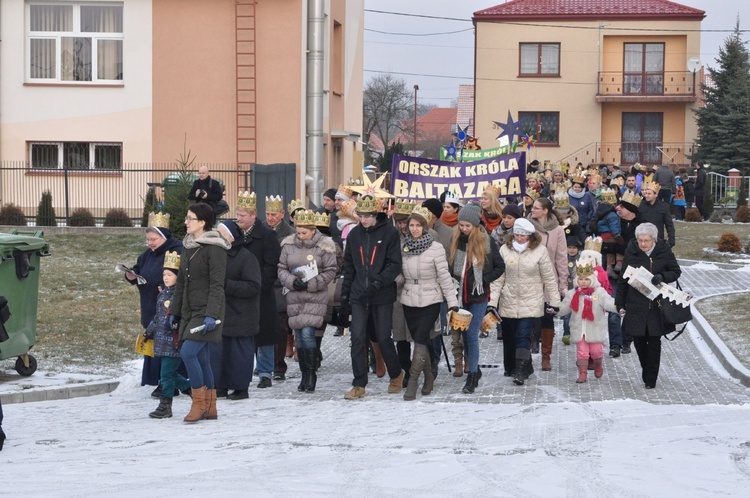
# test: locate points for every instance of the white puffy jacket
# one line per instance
(427, 279)
(596, 331)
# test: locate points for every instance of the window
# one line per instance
(642, 133)
(539, 59)
(75, 155)
(74, 43)
(543, 127)
(644, 68)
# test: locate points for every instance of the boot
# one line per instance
(164, 410)
(417, 366)
(466, 364)
(379, 363)
(523, 356)
(429, 379)
(394, 386)
(296, 351)
(590, 364)
(598, 368)
(2, 438)
(548, 336)
(471, 384)
(210, 402)
(198, 408)
(458, 367)
(302, 387)
(309, 356)
(582, 371)
(289, 345)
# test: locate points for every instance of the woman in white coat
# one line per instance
(427, 283)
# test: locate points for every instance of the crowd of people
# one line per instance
(241, 298)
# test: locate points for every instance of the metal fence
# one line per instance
(726, 190)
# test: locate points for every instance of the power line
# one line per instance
(446, 76)
(419, 34)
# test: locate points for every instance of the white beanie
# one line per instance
(522, 226)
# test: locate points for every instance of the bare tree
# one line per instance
(388, 103)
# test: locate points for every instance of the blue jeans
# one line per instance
(471, 336)
(566, 325)
(265, 360)
(305, 338)
(615, 330)
(197, 360)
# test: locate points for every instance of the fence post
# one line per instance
(67, 199)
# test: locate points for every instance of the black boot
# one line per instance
(479, 376)
(164, 410)
(523, 358)
(156, 393)
(2, 438)
(311, 358)
(302, 387)
(471, 384)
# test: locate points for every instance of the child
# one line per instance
(574, 245)
(165, 340)
(588, 306)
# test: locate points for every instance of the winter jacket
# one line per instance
(282, 230)
(590, 331)
(445, 236)
(584, 204)
(553, 238)
(200, 285)
(501, 234)
(627, 232)
(658, 214)
(307, 308)
(212, 187)
(494, 266)
(165, 340)
(607, 221)
(150, 265)
(572, 227)
(427, 279)
(665, 178)
(640, 312)
(242, 294)
(700, 182)
(372, 256)
(528, 276)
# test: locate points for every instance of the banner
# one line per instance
(417, 178)
(478, 155)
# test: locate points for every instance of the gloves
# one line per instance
(174, 322)
(345, 309)
(148, 335)
(622, 313)
(551, 310)
(299, 285)
(454, 309)
(372, 289)
(657, 279)
(671, 243)
(209, 323)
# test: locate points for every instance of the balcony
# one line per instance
(627, 153)
(664, 86)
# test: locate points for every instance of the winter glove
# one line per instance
(149, 335)
(454, 309)
(209, 324)
(493, 310)
(373, 289)
(299, 285)
(551, 310)
(174, 322)
(657, 279)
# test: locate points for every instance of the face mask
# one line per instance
(520, 247)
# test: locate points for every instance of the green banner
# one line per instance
(477, 155)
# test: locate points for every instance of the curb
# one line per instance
(723, 266)
(78, 391)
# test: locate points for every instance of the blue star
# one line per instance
(511, 128)
(461, 135)
(450, 150)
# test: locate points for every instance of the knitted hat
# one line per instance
(522, 226)
(471, 213)
(330, 193)
(572, 240)
(513, 210)
(435, 207)
(229, 228)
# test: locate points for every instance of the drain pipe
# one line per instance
(314, 127)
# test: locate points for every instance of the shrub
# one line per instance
(81, 217)
(729, 242)
(10, 214)
(742, 215)
(45, 213)
(693, 215)
(715, 217)
(117, 217)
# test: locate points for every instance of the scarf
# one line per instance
(491, 221)
(415, 247)
(520, 247)
(460, 267)
(576, 195)
(588, 303)
(449, 220)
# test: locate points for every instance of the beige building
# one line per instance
(594, 82)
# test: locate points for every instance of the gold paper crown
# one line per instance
(608, 196)
(367, 204)
(345, 191)
(559, 187)
(584, 270)
(423, 212)
(247, 200)
(562, 201)
(294, 205)
(349, 209)
(652, 186)
(532, 193)
(593, 244)
(274, 204)
(631, 198)
(493, 190)
(578, 178)
(322, 220)
(160, 220)
(304, 218)
(595, 177)
(172, 260)
(404, 206)
(638, 167)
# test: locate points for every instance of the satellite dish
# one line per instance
(693, 64)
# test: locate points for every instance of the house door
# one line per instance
(642, 133)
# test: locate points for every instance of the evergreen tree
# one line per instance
(45, 213)
(724, 121)
(384, 163)
(176, 192)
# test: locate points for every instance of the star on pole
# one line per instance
(450, 150)
(510, 129)
(373, 189)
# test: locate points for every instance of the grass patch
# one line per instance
(729, 316)
(691, 238)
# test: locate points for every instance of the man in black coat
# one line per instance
(700, 189)
(372, 261)
(656, 211)
(205, 189)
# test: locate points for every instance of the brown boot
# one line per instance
(582, 371)
(211, 413)
(417, 365)
(396, 384)
(289, 345)
(457, 350)
(598, 368)
(296, 355)
(548, 335)
(429, 378)
(379, 363)
(458, 367)
(198, 408)
(466, 365)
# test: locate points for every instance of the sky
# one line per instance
(452, 54)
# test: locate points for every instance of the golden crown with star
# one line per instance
(171, 260)
(247, 200)
(294, 205)
(304, 218)
(584, 270)
(160, 220)
(322, 220)
(368, 204)
(274, 204)
(373, 189)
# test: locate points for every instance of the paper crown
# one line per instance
(247, 200)
(631, 198)
(593, 244)
(530, 192)
(493, 190)
(594, 177)
(349, 209)
(160, 220)
(294, 205)
(561, 199)
(584, 270)
(172, 260)
(424, 213)
(652, 186)
(367, 204)
(578, 178)
(322, 220)
(608, 196)
(274, 204)
(304, 218)
(638, 167)
(344, 192)
(559, 187)
(452, 198)
(404, 206)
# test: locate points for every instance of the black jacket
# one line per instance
(627, 231)
(659, 215)
(210, 186)
(700, 182)
(642, 314)
(242, 294)
(372, 256)
(494, 267)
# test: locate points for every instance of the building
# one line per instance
(89, 90)
(601, 81)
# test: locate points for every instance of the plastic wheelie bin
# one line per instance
(20, 258)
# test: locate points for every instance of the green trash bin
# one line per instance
(20, 253)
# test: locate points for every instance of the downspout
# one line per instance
(314, 128)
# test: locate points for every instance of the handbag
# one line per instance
(4, 317)
(143, 346)
(674, 314)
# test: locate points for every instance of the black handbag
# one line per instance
(4, 317)
(673, 314)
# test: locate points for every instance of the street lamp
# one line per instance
(416, 88)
